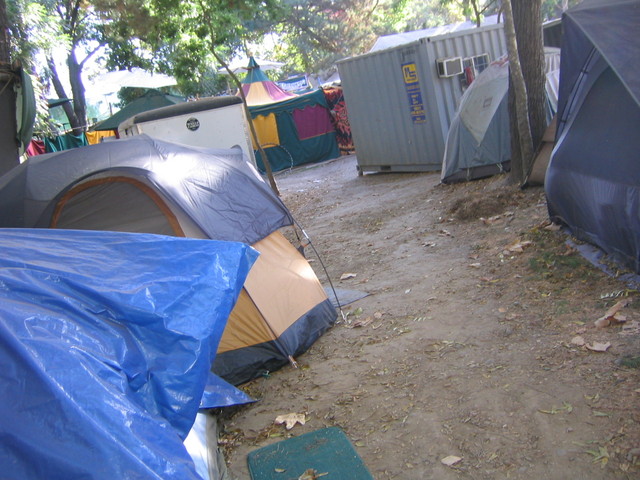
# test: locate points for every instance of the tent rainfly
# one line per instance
(146, 185)
(479, 142)
(593, 179)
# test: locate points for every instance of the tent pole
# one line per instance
(254, 134)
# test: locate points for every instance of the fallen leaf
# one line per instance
(311, 474)
(601, 455)
(599, 347)
(348, 275)
(613, 315)
(290, 420)
(518, 246)
(475, 265)
(450, 460)
(362, 323)
(592, 398)
(490, 220)
(552, 227)
(489, 279)
(631, 328)
(566, 407)
(619, 317)
(578, 340)
(617, 307)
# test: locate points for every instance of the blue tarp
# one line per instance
(106, 341)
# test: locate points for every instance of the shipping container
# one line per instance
(401, 100)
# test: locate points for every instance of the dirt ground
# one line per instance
(477, 339)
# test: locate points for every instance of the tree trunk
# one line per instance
(8, 134)
(77, 90)
(523, 31)
(5, 41)
(252, 128)
(59, 88)
(527, 17)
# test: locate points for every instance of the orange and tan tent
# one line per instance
(149, 186)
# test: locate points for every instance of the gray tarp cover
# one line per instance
(219, 189)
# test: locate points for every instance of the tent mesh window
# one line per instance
(118, 204)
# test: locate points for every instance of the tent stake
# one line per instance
(294, 364)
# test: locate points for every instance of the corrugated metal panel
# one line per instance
(399, 109)
(387, 133)
(468, 43)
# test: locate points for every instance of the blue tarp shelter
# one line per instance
(106, 341)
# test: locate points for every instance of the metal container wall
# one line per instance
(399, 109)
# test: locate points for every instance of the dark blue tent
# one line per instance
(593, 179)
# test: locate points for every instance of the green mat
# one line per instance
(327, 451)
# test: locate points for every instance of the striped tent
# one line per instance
(292, 129)
(259, 90)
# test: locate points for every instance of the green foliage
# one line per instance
(183, 38)
(207, 84)
(554, 261)
(420, 15)
(34, 29)
(316, 33)
(473, 10)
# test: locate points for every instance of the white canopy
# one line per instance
(136, 77)
(241, 65)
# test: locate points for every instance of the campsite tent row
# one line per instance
(146, 185)
(293, 129)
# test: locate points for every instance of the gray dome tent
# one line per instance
(149, 186)
(593, 179)
(479, 143)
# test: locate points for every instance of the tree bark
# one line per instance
(60, 91)
(5, 43)
(527, 17)
(77, 90)
(8, 134)
(523, 31)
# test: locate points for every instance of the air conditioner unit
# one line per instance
(449, 67)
